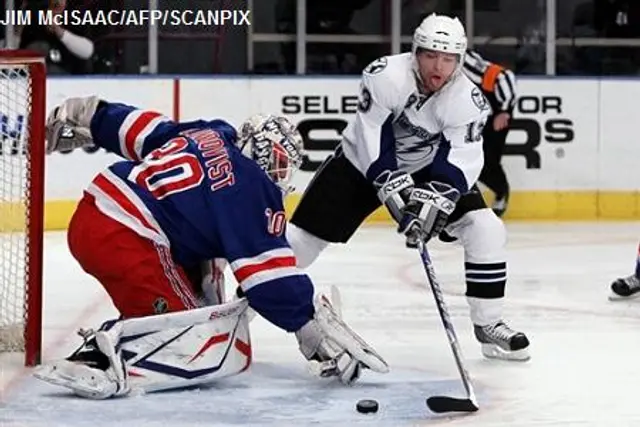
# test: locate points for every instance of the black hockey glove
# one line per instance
(427, 210)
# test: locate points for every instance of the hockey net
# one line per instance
(22, 109)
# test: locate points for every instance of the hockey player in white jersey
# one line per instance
(415, 145)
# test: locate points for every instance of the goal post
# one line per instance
(22, 153)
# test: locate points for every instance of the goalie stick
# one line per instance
(440, 404)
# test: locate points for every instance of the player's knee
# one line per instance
(306, 246)
(484, 236)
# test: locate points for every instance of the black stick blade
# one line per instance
(440, 404)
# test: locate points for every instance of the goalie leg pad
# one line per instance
(83, 380)
(162, 352)
(94, 371)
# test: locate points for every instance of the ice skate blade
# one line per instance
(493, 351)
(615, 297)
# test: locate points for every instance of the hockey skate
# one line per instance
(625, 288)
(501, 342)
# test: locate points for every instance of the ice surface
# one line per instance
(584, 347)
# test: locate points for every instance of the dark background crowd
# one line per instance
(592, 36)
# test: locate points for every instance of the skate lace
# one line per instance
(500, 331)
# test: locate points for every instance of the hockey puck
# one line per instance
(367, 406)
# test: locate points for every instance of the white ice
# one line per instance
(583, 370)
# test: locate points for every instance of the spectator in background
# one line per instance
(67, 50)
(325, 17)
(618, 19)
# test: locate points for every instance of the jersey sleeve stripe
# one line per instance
(262, 257)
(132, 135)
(124, 128)
(135, 127)
(247, 271)
(117, 201)
(138, 142)
(267, 275)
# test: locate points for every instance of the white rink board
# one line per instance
(599, 116)
(563, 165)
(619, 119)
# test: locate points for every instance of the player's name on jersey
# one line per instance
(126, 17)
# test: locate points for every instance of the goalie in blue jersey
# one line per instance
(148, 227)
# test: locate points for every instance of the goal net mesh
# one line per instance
(15, 163)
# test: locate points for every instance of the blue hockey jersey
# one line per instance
(188, 187)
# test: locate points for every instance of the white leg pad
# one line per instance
(162, 352)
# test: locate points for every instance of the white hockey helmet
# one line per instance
(440, 33)
(275, 144)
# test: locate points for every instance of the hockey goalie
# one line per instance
(147, 229)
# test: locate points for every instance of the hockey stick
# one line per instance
(441, 404)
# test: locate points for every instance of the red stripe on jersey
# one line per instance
(121, 199)
(134, 131)
(247, 271)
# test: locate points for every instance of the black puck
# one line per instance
(367, 406)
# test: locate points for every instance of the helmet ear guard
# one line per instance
(275, 144)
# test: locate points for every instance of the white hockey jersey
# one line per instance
(433, 137)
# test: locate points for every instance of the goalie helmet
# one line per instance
(275, 144)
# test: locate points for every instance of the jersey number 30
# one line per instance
(167, 170)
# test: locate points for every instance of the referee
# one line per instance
(499, 86)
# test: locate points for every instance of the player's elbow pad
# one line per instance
(394, 189)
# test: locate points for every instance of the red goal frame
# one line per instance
(35, 208)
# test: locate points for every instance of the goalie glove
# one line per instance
(427, 211)
(68, 125)
(341, 353)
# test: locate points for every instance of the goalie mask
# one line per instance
(274, 143)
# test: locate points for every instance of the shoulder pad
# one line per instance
(376, 67)
(465, 103)
(383, 78)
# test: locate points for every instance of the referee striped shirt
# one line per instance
(491, 78)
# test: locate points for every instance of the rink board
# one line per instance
(570, 154)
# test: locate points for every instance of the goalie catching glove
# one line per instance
(422, 210)
(68, 125)
(341, 353)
